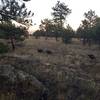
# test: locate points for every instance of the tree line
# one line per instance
(55, 27)
(88, 31)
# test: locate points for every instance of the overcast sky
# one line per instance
(43, 8)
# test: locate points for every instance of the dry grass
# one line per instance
(74, 55)
(64, 63)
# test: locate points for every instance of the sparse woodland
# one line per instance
(55, 62)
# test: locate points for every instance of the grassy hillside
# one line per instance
(67, 73)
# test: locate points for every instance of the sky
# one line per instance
(42, 9)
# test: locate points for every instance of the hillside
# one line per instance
(67, 73)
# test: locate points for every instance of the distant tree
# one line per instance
(80, 32)
(38, 33)
(96, 29)
(46, 25)
(60, 11)
(68, 34)
(56, 30)
(86, 29)
(50, 29)
(90, 16)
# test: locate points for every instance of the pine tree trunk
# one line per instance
(84, 41)
(56, 38)
(89, 42)
(12, 43)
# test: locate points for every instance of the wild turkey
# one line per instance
(91, 56)
(40, 50)
(46, 50)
